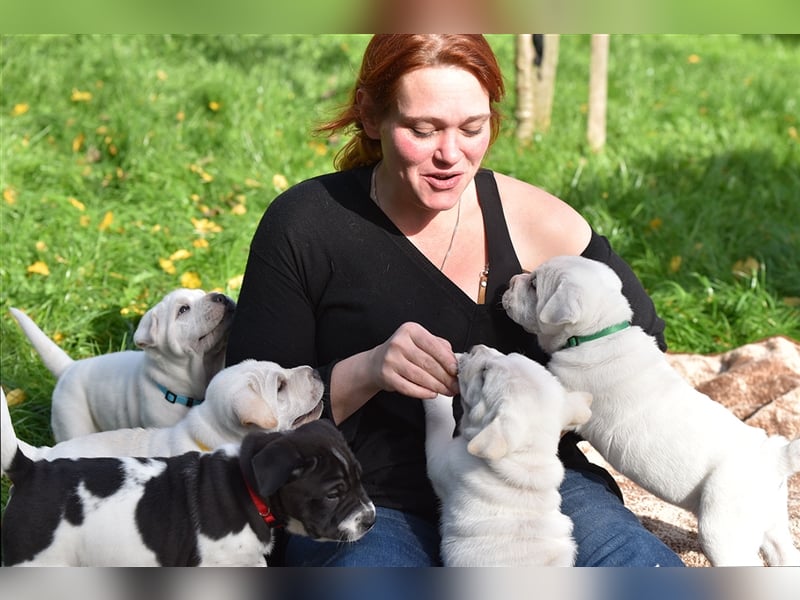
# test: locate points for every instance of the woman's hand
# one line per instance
(415, 363)
(412, 362)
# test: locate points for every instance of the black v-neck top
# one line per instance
(329, 275)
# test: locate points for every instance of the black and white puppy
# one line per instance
(196, 509)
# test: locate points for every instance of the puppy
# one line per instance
(249, 396)
(649, 423)
(498, 480)
(196, 509)
(183, 339)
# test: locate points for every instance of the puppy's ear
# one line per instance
(254, 410)
(146, 333)
(275, 464)
(577, 411)
(563, 306)
(490, 443)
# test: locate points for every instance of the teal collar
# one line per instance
(577, 340)
(174, 398)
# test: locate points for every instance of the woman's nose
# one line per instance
(447, 150)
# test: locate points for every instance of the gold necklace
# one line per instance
(373, 192)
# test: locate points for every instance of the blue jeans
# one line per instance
(607, 533)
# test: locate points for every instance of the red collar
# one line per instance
(261, 507)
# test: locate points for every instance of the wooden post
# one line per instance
(598, 92)
(544, 83)
(524, 64)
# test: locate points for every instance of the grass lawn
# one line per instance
(132, 165)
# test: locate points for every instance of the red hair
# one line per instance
(390, 56)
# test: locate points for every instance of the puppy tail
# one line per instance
(53, 357)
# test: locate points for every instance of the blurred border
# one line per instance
(402, 584)
(361, 16)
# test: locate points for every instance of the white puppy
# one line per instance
(183, 339)
(249, 396)
(649, 423)
(498, 480)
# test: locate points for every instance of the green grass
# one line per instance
(701, 172)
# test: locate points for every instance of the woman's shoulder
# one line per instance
(318, 193)
(541, 224)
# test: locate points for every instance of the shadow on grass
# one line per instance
(708, 215)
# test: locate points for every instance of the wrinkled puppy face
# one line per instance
(512, 403)
(263, 395)
(565, 296)
(314, 481)
(187, 322)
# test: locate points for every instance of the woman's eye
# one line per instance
(421, 133)
(472, 132)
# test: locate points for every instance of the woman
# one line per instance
(377, 274)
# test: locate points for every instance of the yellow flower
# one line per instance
(191, 280)
(793, 132)
(239, 209)
(214, 105)
(180, 116)
(20, 109)
(84, 220)
(77, 203)
(180, 255)
(161, 75)
(655, 224)
(253, 183)
(319, 148)
(41, 246)
(108, 218)
(235, 283)
(16, 396)
(166, 265)
(675, 264)
(133, 309)
(58, 337)
(77, 143)
(79, 96)
(200, 243)
(40, 268)
(279, 181)
(693, 59)
(203, 226)
(10, 195)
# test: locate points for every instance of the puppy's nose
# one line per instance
(217, 297)
(368, 517)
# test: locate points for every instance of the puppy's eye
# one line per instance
(334, 493)
(281, 384)
(183, 309)
(532, 282)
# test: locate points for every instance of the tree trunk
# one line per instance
(524, 63)
(598, 92)
(544, 83)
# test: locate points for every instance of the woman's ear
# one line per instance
(366, 111)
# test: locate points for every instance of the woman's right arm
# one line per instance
(275, 320)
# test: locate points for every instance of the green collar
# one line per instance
(577, 340)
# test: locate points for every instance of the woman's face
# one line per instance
(435, 135)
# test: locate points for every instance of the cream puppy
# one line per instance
(649, 423)
(249, 396)
(498, 480)
(183, 340)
